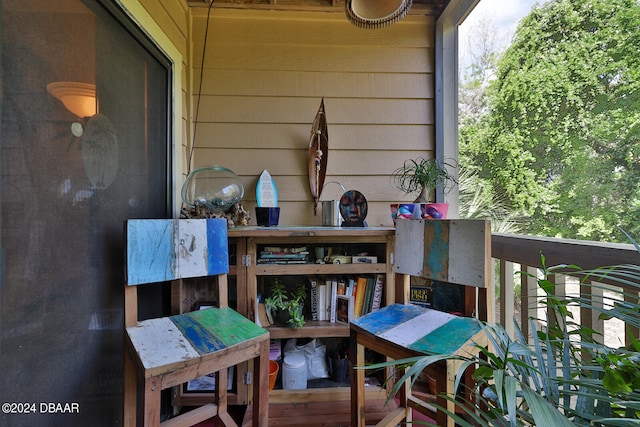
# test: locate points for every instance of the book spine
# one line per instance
(313, 294)
(351, 287)
(361, 289)
(322, 301)
(377, 294)
(351, 308)
(368, 296)
(334, 300)
(327, 300)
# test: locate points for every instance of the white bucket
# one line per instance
(294, 372)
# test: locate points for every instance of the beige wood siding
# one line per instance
(265, 73)
(174, 17)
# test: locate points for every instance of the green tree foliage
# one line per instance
(561, 135)
(479, 201)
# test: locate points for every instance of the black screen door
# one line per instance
(71, 172)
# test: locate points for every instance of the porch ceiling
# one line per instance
(420, 7)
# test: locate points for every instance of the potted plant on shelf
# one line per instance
(423, 176)
(286, 308)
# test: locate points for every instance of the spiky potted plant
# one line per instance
(422, 176)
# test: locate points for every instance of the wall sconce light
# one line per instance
(97, 137)
(376, 13)
(79, 98)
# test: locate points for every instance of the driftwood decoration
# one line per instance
(318, 153)
(236, 215)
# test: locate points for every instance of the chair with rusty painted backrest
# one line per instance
(169, 351)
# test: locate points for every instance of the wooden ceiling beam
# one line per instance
(420, 7)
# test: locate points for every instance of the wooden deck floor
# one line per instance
(319, 414)
(316, 408)
(322, 408)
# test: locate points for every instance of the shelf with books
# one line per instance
(360, 294)
(297, 255)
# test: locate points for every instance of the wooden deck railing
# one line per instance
(516, 253)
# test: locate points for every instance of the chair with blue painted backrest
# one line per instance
(452, 252)
(169, 351)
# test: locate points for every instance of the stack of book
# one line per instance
(283, 255)
(368, 294)
(345, 298)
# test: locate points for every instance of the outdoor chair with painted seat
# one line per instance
(451, 252)
(169, 351)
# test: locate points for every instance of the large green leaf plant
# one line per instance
(564, 375)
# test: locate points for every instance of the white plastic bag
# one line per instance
(315, 357)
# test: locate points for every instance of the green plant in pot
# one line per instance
(286, 307)
(423, 176)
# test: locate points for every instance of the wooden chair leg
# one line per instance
(151, 402)
(130, 392)
(260, 416)
(222, 377)
(403, 397)
(443, 386)
(357, 383)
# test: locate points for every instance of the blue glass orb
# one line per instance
(214, 187)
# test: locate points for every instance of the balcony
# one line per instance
(515, 253)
